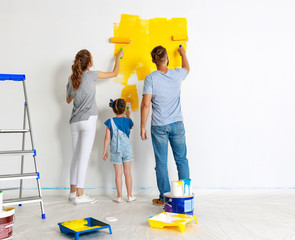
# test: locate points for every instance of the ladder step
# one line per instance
(8, 189)
(15, 201)
(13, 77)
(18, 176)
(18, 152)
(14, 130)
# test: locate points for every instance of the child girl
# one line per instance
(81, 89)
(118, 130)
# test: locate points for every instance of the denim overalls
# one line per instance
(121, 150)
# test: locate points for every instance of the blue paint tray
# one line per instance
(84, 225)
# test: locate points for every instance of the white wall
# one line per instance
(238, 100)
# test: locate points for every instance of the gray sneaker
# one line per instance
(84, 199)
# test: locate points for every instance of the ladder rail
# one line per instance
(23, 147)
(32, 142)
(28, 114)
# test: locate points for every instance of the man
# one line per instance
(162, 89)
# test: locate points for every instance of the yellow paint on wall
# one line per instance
(145, 35)
(130, 91)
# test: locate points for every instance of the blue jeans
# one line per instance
(175, 133)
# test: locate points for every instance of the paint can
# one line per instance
(183, 205)
(6, 223)
(187, 190)
(177, 188)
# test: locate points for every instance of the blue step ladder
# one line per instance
(32, 152)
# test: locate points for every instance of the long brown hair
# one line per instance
(81, 62)
(118, 106)
(159, 55)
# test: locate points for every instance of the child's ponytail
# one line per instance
(118, 106)
(111, 104)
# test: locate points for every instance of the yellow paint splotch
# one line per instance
(145, 35)
(130, 91)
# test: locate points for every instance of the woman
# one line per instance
(81, 89)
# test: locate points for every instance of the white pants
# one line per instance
(83, 134)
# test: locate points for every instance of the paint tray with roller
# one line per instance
(84, 225)
(167, 219)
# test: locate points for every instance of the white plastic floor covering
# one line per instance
(221, 215)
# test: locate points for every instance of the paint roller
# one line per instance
(120, 40)
(183, 38)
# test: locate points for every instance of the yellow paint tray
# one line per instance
(167, 219)
(84, 225)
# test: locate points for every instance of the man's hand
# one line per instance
(181, 51)
(144, 112)
(185, 63)
(143, 134)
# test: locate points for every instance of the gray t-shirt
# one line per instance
(165, 91)
(84, 104)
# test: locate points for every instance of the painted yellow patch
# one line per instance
(145, 35)
(130, 91)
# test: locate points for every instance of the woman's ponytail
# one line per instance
(81, 62)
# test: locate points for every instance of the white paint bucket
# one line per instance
(177, 188)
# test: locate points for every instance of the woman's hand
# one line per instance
(69, 99)
(120, 54)
(114, 73)
(105, 156)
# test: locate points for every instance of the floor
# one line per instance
(221, 214)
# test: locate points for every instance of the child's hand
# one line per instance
(127, 112)
(105, 155)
